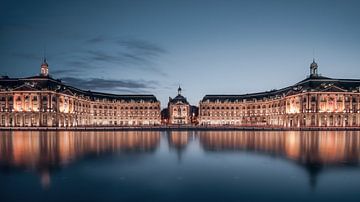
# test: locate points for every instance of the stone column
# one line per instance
(22, 117)
(7, 119)
(6, 103)
(48, 104)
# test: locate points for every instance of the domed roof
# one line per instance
(179, 98)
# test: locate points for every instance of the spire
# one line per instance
(44, 57)
(179, 90)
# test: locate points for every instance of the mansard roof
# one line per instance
(310, 84)
(48, 83)
(178, 99)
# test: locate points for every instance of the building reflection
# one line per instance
(178, 140)
(313, 150)
(45, 152)
(48, 151)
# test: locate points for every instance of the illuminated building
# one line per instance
(43, 101)
(316, 101)
(179, 109)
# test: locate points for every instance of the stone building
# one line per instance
(42, 101)
(45, 101)
(179, 109)
(316, 101)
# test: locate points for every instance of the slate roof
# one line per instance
(178, 99)
(310, 84)
(37, 83)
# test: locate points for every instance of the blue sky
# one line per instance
(208, 47)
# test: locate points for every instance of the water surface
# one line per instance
(180, 166)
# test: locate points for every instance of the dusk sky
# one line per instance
(208, 47)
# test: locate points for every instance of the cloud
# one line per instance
(105, 54)
(127, 51)
(95, 40)
(123, 58)
(80, 66)
(65, 72)
(111, 85)
(141, 46)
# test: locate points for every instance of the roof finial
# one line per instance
(179, 90)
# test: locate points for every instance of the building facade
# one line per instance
(179, 110)
(41, 101)
(316, 101)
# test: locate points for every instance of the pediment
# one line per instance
(291, 92)
(334, 88)
(25, 87)
(67, 92)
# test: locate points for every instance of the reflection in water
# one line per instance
(311, 150)
(48, 151)
(305, 147)
(178, 140)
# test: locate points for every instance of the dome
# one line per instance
(179, 99)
